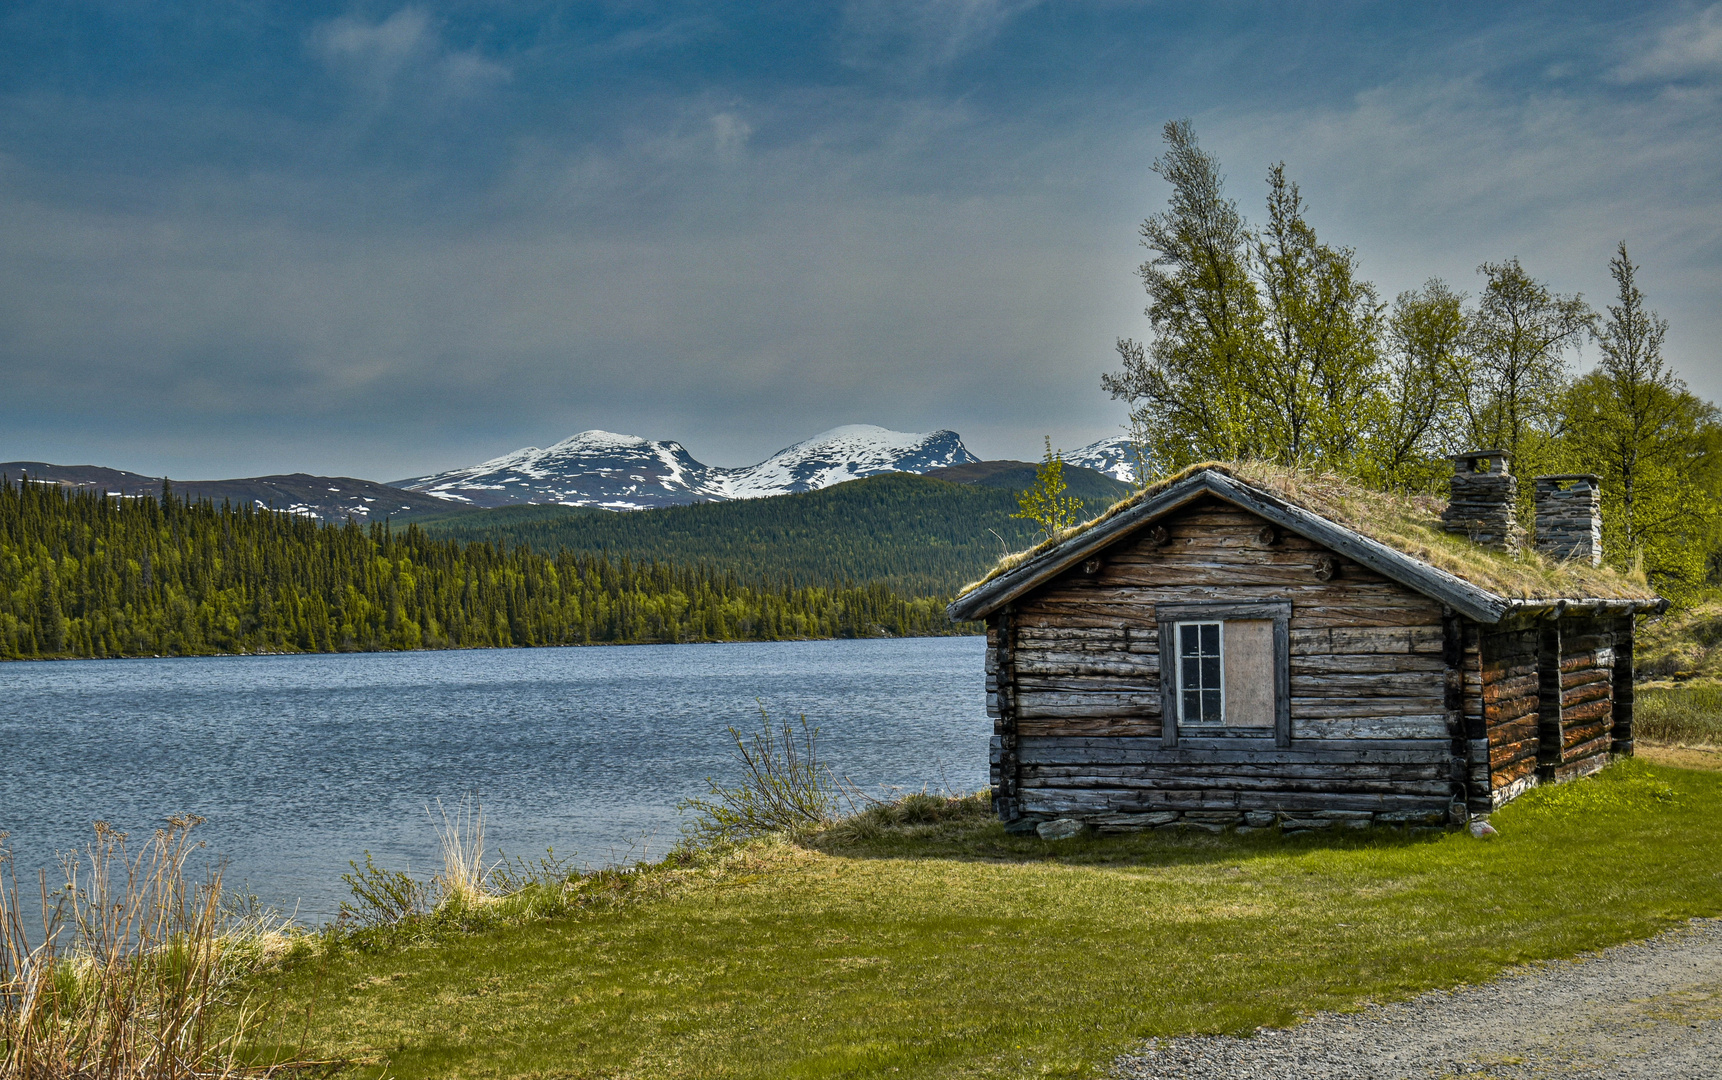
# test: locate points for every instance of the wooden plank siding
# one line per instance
(1585, 687)
(1074, 682)
(1511, 695)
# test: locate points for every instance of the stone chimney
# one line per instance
(1569, 517)
(1480, 505)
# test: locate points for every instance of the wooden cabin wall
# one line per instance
(1542, 692)
(1586, 701)
(1076, 686)
(1509, 688)
(1623, 689)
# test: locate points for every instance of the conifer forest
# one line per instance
(86, 575)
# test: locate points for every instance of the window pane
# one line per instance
(1188, 640)
(1211, 639)
(1210, 706)
(1192, 706)
(1211, 673)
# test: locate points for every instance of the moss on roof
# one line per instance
(1407, 523)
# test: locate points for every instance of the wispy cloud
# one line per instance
(407, 44)
(914, 35)
(1684, 48)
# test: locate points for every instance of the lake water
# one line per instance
(301, 763)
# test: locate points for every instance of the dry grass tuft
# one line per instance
(1407, 523)
(461, 839)
(126, 981)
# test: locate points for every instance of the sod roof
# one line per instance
(1397, 534)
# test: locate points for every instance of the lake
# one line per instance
(301, 763)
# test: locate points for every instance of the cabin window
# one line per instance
(1201, 677)
(1227, 670)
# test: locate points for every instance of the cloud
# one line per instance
(377, 56)
(731, 133)
(1687, 48)
(910, 36)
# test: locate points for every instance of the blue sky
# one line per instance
(382, 239)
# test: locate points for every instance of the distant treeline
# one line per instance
(87, 575)
(914, 535)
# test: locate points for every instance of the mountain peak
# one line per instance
(624, 472)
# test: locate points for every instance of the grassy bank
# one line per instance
(934, 945)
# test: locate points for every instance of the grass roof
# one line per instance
(1407, 523)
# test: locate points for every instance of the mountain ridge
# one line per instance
(627, 472)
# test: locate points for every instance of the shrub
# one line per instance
(784, 787)
(1679, 714)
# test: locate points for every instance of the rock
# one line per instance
(1481, 829)
(1022, 825)
(1060, 829)
(1259, 819)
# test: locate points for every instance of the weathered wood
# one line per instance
(1623, 688)
(1362, 641)
(1108, 727)
(1425, 726)
(1079, 666)
(1034, 705)
(1318, 664)
(1320, 707)
(1233, 749)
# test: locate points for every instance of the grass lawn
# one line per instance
(949, 949)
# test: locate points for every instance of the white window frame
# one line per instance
(1178, 629)
(1169, 614)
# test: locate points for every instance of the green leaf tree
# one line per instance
(1318, 384)
(1655, 444)
(1046, 503)
(1422, 420)
(1190, 387)
(1516, 370)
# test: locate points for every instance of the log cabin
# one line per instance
(1243, 646)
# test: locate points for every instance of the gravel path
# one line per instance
(1648, 1009)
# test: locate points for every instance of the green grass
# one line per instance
(1690, 713)
(925, 942)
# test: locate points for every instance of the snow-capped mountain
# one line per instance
(845, 453)
(1116, 457)
(625, 472)
(593, 468)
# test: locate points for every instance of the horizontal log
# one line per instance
(1049, 665)
(1579, 734)
(1502, 755)
(1513, 709)
(1321, 707)
(1135, 683)
(1057, 801)
(1419, 683)
(1582, 696)
(1102, 727)
(1586, 677)
(1495, 673)
(1179, 772)
(1031, 706)
(1425, 726)
(1390, 640)
(1364, 663)
(1144, 751)
(1073, 637)
(1508, 772)
(1238, 783)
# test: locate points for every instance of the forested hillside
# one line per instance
(87, 575)
(914, 535)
